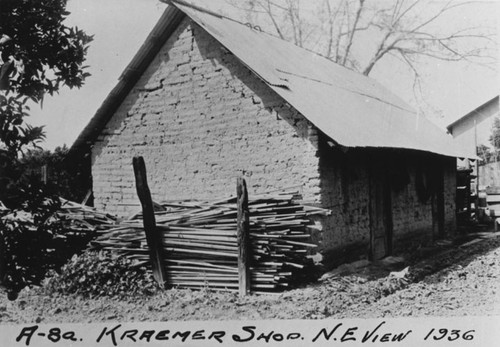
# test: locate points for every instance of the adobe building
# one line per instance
(207, 99)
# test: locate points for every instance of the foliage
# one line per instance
(34, 242)
(96, 274)
(14, 133)
(65, 178)
(43, 235)
(38, 55)
(27, 253)
(41, 52)
(495, 133)
(488, 154)
(484, 153)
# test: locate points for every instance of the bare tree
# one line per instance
(359, 34)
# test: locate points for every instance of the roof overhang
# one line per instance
(473, 113)
(166, 25)
(352, 109)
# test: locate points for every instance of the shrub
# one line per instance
(97, 274)
(35, 240)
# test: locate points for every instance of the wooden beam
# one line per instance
(243, 235)
(154, 239)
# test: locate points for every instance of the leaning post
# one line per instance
(153, 238)
(243, 233)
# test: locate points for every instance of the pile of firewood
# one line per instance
(200, 242)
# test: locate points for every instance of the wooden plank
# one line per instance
(243, 232)
(153, 238)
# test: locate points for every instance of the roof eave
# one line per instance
(473, 112)
(164, 28)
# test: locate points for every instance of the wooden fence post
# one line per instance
(153, 238)
(243, 232)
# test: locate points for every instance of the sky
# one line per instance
(121, 26)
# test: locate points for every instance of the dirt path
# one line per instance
(470, 287)
(458, 281)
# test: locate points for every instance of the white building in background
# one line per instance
(475, 177)
(474, 129)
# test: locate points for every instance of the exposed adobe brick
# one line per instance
(200, 119)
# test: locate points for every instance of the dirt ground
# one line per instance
(446, 281)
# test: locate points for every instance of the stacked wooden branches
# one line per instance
(201, 248)
(82, 218)
(71, 216)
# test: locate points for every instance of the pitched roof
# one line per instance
(352, 109)
(475, 112)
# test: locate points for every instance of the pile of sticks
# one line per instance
(82, 218)
(201, 247)
(73, 216)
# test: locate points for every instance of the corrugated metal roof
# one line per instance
(352, 109)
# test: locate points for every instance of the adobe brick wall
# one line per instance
(201, 119)
(450, 196)
(412, 219)
(345, 190)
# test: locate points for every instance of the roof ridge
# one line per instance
(255, 27)
(196, 7)
(204, 10)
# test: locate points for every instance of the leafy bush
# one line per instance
(35, 239)
(67, 176)
(27, 254)
(96, 274)
(31, 239)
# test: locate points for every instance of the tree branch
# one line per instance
(351, 36)
(267, 9)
